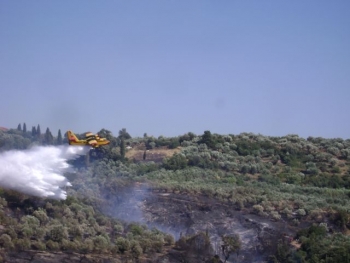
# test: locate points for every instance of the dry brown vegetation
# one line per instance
(155, 155)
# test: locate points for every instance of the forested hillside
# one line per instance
(304, 183)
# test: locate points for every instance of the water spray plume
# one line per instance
(39, 170)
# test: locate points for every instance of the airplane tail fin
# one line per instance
(72, 137)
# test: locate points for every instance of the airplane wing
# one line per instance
(93, 143)
(89, 134)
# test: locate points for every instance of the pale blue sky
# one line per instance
(170, 67)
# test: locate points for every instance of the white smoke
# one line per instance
(38, 170)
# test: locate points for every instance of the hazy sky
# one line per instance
(170, 67)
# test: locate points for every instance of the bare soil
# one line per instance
(155, 155)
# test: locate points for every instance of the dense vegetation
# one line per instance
(304, 182)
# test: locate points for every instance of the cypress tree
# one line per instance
(19, 127)
(33, 131)
(59, 137)
(48, 137)
(24, 127)
(122, 148)
(38, 132)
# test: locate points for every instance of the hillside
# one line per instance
(282, 194)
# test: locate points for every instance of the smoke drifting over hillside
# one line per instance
(38, 171)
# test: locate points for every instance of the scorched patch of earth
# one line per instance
(183, 215)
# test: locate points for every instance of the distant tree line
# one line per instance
(36, 136)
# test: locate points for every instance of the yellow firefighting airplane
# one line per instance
(91, 139)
